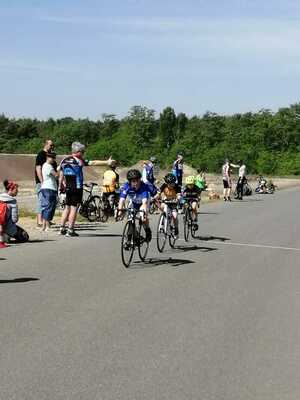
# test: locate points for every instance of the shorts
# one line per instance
(226, 184)
(74, 197)
(48, 202)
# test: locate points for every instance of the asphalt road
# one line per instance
(217, 318)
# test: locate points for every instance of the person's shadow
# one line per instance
(18, 280)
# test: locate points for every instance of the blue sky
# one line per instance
(85, 58)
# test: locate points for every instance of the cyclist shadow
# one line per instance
(203, 249)
(210, 238)
(158, 262)
(100, 235)
(18, 280)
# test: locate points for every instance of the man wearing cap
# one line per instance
(71, 181)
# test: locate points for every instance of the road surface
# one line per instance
(217, 318)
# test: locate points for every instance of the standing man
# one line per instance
(177, 169)
(226, 180)
(71, 180)
(39, 161)
(148, 171)
(242, 179)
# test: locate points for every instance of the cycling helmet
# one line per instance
(190, 180)
(170, 179)
(133, 174)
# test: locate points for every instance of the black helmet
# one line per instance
(170, 179)
(133, 174)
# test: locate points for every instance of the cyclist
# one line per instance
(139, 193)
(110, 183)
(191, 193)
(170, 191)
(71, 181)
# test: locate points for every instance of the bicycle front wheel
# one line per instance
(92, 208)
(143, 244)
(161, 233)
(186, 225)
(127, 244)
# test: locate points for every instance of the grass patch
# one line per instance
(24, 213)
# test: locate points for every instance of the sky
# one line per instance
(90, 57)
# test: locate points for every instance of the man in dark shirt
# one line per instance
(39, 161)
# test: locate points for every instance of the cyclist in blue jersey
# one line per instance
(71, 181)
(139, 194)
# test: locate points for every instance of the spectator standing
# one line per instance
(148, 171)
(71, 180)
(39, 161)
(241, 180)
(227, 184)
(48, 190)
(177, 169)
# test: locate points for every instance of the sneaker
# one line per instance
(148, 234)
(3, 245)
(225, 199)
(229, 199)
(62, 230)
(71, 233)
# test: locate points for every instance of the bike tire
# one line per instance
(92, 208)
(102, 214)
(161, 236)
(186, 225)
(127, 244)
(143, 244)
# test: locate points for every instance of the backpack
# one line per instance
(3, 212)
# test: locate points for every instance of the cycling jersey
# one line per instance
(200, 182)
(137, 196)
(72, 168)
(191, 193)
(148, 175)
(110, 181)
(169, 192)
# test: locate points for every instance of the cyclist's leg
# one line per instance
(175, 220)
(145, 222)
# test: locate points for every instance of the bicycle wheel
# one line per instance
(92, 208)
(102, 211)
(143, 244)
(161, 232)
(193, 232)
(172, 237)
(127, 243)
(186, 224)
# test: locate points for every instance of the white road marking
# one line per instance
(263, 246)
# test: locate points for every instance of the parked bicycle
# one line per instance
(189, 224)
(166, 226)
(89, 208)
(108, 205)
(134, 236)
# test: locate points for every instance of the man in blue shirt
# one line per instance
(177, 169)
(139, 193)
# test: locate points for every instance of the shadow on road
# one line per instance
(208, 213)
(245, 201)
(100, 235)
(157, 262)
(208, 238)
(195, 247)
(18, 280)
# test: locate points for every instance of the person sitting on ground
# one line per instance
(111, 182)
(191, 194)
(138, 193)
(10, 215)
(48, 190)
(71, 181)
(170, 192)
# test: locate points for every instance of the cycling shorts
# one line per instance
(74, 197)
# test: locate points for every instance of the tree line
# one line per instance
(269, 142)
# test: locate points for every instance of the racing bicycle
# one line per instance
(166, 226)
(188, 221)
(134, 236)
(89, 208)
